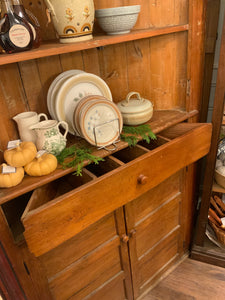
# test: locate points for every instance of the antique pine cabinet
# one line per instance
(113, 232)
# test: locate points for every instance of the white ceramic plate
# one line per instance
(73, 90)
(54, 87)
(101, 122)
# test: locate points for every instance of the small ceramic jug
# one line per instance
(73, 19)
(24, 120)
(49, 137)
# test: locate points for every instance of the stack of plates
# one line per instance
(98, 120)
(68, 89)
(84, 101)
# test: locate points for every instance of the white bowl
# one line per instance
(117, 20)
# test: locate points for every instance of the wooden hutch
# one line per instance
(112, 233)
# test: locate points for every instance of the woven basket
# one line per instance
(220, 179)
(220, 233)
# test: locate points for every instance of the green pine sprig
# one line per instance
(131, 134)
(77, 157)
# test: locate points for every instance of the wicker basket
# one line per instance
(220, 233)
(220, 179)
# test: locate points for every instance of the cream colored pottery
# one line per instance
(73, 19)
(24, 120)
(49, 137)
(135, 111)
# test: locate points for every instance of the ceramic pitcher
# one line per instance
(49, 137)
(73, 19)
(24, 120)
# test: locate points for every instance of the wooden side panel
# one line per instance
(195, 63)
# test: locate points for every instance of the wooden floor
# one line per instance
(191, 280)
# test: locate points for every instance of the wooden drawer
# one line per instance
(61, 217)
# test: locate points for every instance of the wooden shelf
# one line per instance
(161, 120)
(54, 47)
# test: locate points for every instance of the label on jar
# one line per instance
(19, 36)
(8, 169)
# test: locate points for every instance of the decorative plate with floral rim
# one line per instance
(54, 87)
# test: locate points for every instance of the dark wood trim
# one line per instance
(214, 258)
(211, 157)
(9, 284)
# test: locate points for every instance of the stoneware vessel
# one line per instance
(73, 19)
(24, 120)
(137, 110)
(49, 137)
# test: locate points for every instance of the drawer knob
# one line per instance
(142, 179)
(125, 238)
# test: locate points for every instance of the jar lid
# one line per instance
(135, 105)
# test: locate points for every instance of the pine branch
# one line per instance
(131, 134)
(77, 156)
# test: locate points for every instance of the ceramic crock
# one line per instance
(73, 19)
(49, 137)
(135, 111)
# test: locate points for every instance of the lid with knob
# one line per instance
(135, 110)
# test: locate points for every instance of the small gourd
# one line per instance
(41, 165)
(11, 179)
(20, 156)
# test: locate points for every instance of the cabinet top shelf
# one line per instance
(51, 48)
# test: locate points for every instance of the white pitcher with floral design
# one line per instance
(73, 19)
(49, 137)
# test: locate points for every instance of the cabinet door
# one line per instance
(154, 225)
(93, 264)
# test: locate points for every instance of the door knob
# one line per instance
(125, 238)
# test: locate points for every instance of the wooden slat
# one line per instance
(54, 48)
(74, 214)
(151, 200)
(80, 245)
(168, 82)
(160, 121)
(157, 258)
(195, 63)
(110, 290)
(139, 67)
(88, 273)
(163, 220)
(113, 70)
